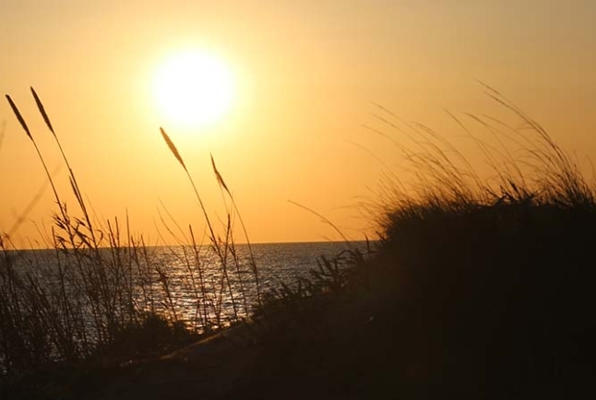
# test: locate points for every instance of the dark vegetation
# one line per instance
(105, 296)
(478, 288)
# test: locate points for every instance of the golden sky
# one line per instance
(305, 73)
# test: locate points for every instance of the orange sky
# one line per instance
(305, 74)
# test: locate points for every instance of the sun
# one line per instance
(193, 89)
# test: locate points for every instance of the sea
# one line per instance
(194, 285)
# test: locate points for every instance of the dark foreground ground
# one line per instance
(365, 347)
(480, 305)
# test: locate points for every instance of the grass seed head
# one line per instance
(172, 147)
(218, 175)
(19, 116)
(42, 111)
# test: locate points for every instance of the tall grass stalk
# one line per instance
(102, 284)
(224, 248)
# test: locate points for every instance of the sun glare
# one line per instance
(193, 89)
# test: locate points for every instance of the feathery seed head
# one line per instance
(42, 111)
(19, 116)
(172, 147)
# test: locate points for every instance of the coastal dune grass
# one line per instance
(487, 278)
(494, 273)
(480, 285)
(104, 293)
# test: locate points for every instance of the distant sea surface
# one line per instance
(276, 262)
(286, 262)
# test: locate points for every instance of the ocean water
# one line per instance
(195, 287)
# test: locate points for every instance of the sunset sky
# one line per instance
(303, 76)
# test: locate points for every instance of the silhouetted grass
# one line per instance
(481, 286)
(495, 275)
(103, 293)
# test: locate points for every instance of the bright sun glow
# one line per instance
(193, 89)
